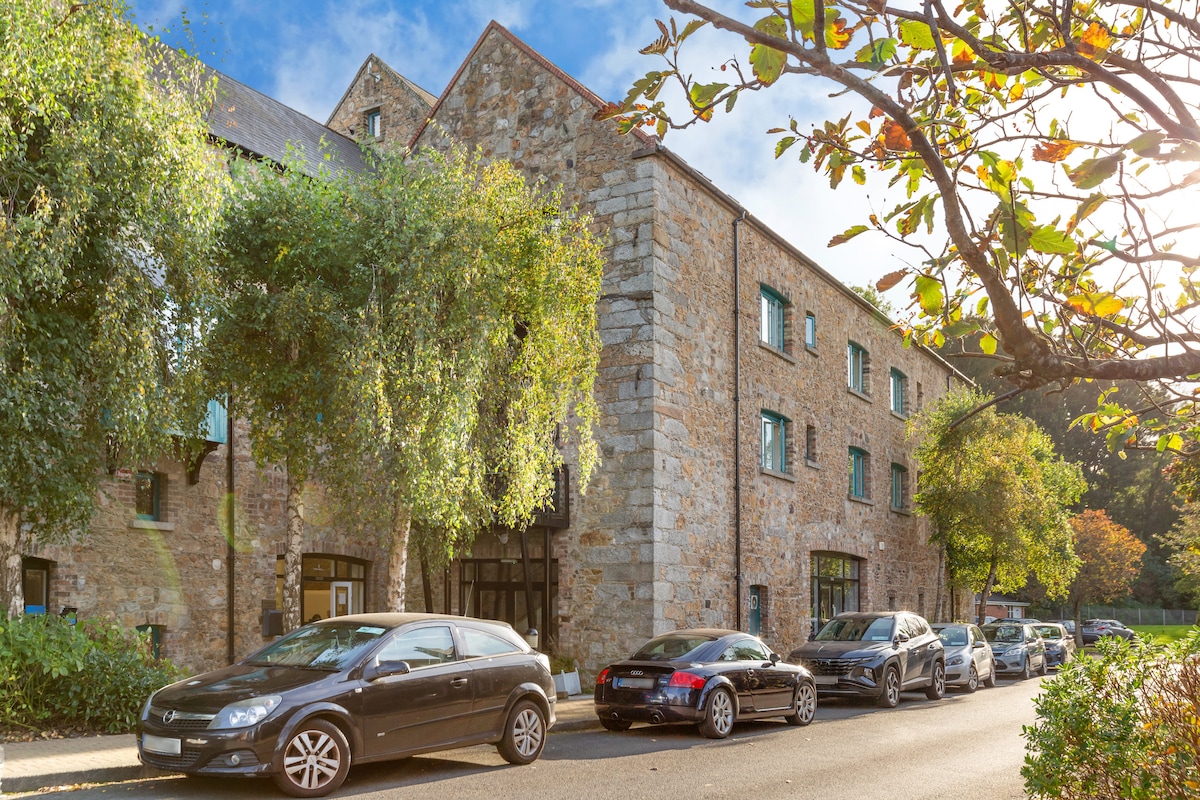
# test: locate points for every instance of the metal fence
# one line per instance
(1136, 616)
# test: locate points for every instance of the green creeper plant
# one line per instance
(109, 196)
(1041, 157)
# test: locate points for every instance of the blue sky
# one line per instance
(305, 52)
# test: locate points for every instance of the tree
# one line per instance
(477, 345)
(1109, 560)
(109, 197)
(1183, 544)
(1041, 150)
(997, 496)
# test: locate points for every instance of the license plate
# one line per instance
(634, 683)
(160, 744)
(825, 680)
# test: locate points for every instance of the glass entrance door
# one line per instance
(341, 598)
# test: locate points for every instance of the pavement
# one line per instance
(53, 763)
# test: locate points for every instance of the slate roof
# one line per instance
(251, 121)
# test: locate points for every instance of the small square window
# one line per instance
(373, 127)
(148, 501)
(773, 326)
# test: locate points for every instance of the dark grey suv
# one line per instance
(875, 654)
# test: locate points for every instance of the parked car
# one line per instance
(1094, 629)
(1060, 644)
(353, 689)
(875, 654)
(1016, 648)
(1024, 620)
(1069, 624)
(969, 660)
(706, 676)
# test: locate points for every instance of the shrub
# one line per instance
(1125, 724)
(93, 675)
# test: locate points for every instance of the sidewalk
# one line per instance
(34, 766)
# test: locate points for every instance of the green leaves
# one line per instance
(767, 62)
(916, 35)
(1048, 239)
(1094, 171)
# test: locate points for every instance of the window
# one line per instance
(774, 442)
(859, 464)
(424, 647)
(773, 327)
(148, 495)
(758, 609)
(810, 444)
(834, 586)
(899, 392)
(373, 127)
(36, 583)
(479, 644)
(858, 366)
(810, 330)
(899, 486)
(748, 650)
(331, 586)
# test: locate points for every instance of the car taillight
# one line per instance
(602, 677)
(688, 680)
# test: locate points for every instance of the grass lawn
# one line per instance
(1163, 633)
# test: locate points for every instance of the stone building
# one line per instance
(756, 472)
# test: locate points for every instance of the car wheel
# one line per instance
(1026, 672)
(617, 725)
(718, 716)
(937, 687)
(524, 734)
(1043, 669)
(891, 689)
(315, 760)
(804, 707)
(990, 680)
(972, 680)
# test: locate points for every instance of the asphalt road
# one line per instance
(964, 746)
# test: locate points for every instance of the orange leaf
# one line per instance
(894, 137)
(1053, 152)
(890, 280)
(1096, 39)
(876, 111)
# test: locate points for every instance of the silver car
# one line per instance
(969, 660)
(1017, 648)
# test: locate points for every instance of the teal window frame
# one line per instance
(374, 123)
(773, 455)
(810, 330)
(899, 391)
(773, 322)
(153, 481)
(899, 483)
(858, 473)
(856, 357)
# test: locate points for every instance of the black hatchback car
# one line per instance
(706, 676)
(354, 689)
(875, 654)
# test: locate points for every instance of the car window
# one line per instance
(422, 647)
(918, 626)
(750, 650)
(478, 644)
(953, 636)
(857, 629)
(330, 646)
(1002, 634)
(976, 634)
(672, 646)
(1048, 631)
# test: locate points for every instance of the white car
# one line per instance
(969, 660)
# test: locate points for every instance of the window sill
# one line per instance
(901, 417)
(787, 476)
(811, 464)
(776, 351)
(811, 350)
(152, 525)
(904, 512)
(866, 501)
(858, 394)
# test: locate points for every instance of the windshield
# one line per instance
(1049, 631)
(857, 629)
(953, 637)
(672, 646)
(329, 646)
(1003, 634)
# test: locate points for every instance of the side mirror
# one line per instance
(978, 645)
(385, 668)
(774, 659)
(812, 637)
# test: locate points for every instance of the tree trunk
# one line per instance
(294, 555)
(12, 588)
(398, 565)
(426, 581)
(981, 616)
(1076, 614)
(941, 585)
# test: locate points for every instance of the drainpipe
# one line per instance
(737, 428)
(230, 551)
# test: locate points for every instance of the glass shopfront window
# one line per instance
(331, 586)
(835, 586)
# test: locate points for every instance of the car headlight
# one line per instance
(1014, 651)
(245, 713)
(954, 661)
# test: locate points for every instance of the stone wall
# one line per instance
(403, 107)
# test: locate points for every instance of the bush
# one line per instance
(93, 675)
(1125, 724)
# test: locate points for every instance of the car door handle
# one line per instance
(458, 683)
